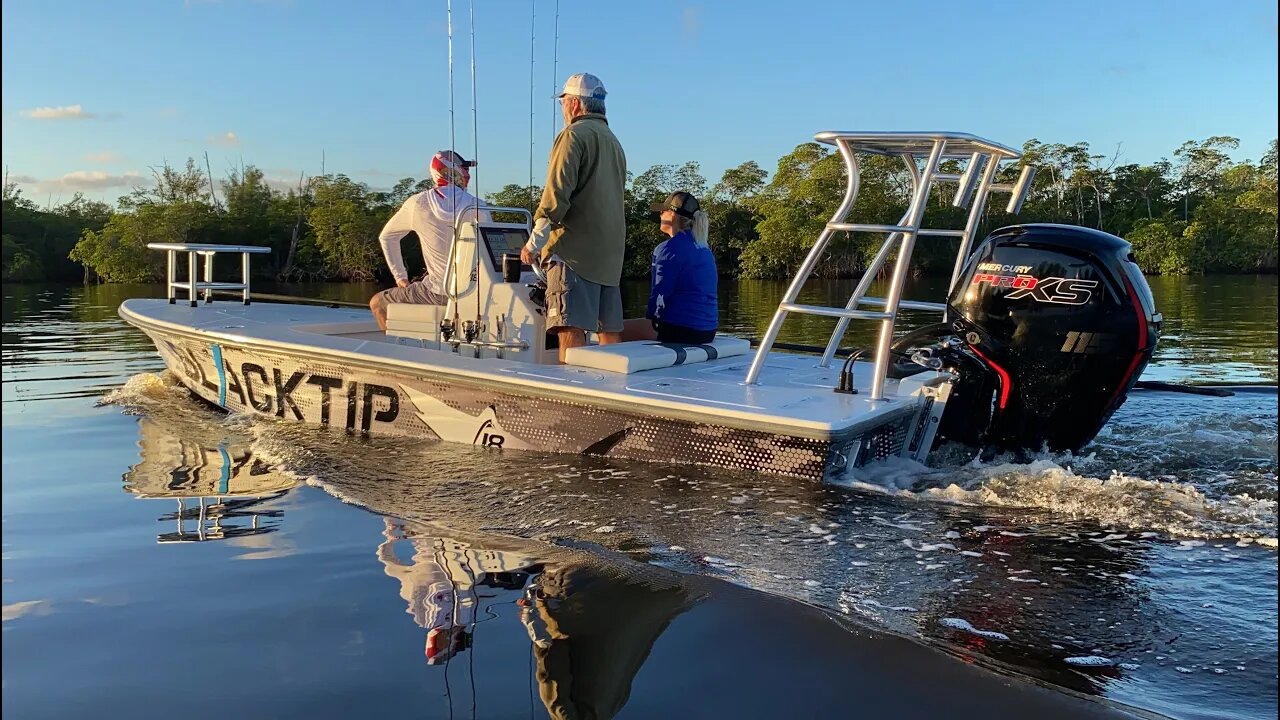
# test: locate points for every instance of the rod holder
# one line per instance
(968, 180)
(1020, 189)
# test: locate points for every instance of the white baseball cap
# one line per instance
(584, 85)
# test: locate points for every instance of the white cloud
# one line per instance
(92, 180)
(22, 179)
(62, 112)
(103, 157)
(281, 184)
(227, 139)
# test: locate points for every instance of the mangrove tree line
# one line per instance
(1200, 212)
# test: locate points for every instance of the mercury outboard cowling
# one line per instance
(1064, 321)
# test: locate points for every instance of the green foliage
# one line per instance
(20, 263)
(806, 189)
(1201, 166)
(118, 252)
(521, 196)
(346, 228)
(1200, 212)
(732, 226)
(177, 208)
(36, 243)
(1162, 247)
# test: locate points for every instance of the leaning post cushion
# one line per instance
(640, 355)
(414, 321)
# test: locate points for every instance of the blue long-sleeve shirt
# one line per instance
(684, 284)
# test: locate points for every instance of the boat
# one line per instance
(1043, 332)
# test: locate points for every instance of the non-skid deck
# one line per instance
(793, 394)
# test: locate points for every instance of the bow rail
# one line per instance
(192, 285)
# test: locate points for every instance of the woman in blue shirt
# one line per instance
(682, 302)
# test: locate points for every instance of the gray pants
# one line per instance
(415, 293)
(575, 302)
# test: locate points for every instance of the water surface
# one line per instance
(161, 558)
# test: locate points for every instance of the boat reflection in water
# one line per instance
(570, 607)
(592, 628)
(221, 489)
(446, 581)
(602, 623)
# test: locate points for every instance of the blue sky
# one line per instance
(97, 93)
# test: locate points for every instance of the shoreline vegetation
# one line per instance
(1199, 213)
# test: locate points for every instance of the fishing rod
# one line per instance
(555, 68)
(475, 155)
(533, 27)
(293, 299)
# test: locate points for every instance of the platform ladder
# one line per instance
(974, 185)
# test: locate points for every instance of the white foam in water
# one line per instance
(958, 624)
(144, 389)
(894, 476)
(895, 608)
(1091, 661)
(1119, 500)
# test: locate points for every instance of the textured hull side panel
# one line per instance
(359, 401)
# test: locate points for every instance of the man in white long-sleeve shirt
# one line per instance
(431, 214)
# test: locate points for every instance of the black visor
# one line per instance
(680, 203)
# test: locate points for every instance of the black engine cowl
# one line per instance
(1063, 319)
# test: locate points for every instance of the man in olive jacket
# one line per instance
(579, 232)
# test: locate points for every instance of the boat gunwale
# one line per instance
(607, 399)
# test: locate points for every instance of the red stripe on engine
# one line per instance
(1004, 377)
(1142, 341)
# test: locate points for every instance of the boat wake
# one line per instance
(146, 391)
(1207, 473)
(1140, 558)
(1175, 466)
(1060, 487)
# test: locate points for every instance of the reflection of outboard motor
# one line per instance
(1058, 323)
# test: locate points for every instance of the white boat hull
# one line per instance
(254, 366)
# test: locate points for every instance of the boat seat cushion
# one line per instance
(640, 355)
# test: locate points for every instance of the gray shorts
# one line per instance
(416, 293)
(575, 302)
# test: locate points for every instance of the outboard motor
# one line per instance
(1055, 324)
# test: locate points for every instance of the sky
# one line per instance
(97, 94)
